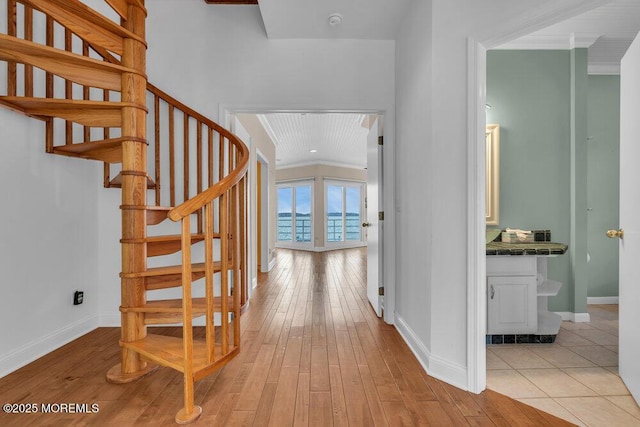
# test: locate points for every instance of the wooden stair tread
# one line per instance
(170, 270)
(107, 150)
(155, 214)
(169, 351)
(199, 305)
(116, 182)
(87, 113)
(86, 23)
(173, 237)
(76, 68)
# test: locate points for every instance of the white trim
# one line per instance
(552, 42)
(294, 180)
(604, 69)
(568, 316)
(491, 37)
(35, 349)
(390, 232)
(603, 300)
(535, 19)
(476, 219)
(272, 264)
(321, 162)
(433, 365)
(254, 283)
(265, 169)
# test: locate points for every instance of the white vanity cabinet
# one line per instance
(517, 296)
(512, 300)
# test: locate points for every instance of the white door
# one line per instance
(629, 352)
(372, 225)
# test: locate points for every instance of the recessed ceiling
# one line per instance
(339, 139)
(607, 31)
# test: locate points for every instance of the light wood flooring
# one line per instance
(313, 353)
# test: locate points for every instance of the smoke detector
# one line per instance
(335, 19)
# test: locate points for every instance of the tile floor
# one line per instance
(576, 378)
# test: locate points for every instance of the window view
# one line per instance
(344, 212)
(294, 213)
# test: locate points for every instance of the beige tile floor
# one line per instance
(575, 378)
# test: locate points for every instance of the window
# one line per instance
(295, 221)
(344, 211)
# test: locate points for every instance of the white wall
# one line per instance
(220, 56)
(48, 243)
(431, 139)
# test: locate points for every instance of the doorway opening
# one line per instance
(271, 131)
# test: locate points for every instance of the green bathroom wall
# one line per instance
(529, 94)
(603, 183)
(529, 97)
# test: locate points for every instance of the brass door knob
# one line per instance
(612, 234)
(366, 224)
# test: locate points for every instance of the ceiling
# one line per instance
(607, 31)
(309, 19)
(339, 139)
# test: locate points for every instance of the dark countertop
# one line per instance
(537, 248)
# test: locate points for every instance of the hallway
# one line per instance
(313, 354)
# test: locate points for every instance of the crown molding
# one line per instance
(555, 42)
(604, 69)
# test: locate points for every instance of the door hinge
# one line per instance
(381, 216)
(381, 140)
(381, 290)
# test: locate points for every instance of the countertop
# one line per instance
(537, 248)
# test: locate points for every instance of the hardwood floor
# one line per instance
(313, 354)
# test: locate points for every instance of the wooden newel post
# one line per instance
(134, 197)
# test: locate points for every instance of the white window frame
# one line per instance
(292, 244)
(363, 213)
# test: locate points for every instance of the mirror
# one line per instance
(492, 169)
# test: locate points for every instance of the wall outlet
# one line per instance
(78, 296)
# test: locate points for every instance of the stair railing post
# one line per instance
(134, 191)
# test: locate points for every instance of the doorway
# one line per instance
(476, 191)
(268, 216)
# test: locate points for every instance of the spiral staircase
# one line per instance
(181, 175)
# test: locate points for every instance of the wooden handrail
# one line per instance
(189, 111)
(197, 202)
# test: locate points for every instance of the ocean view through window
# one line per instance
(344, 211)
(295, 223)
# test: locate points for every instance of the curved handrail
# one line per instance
(198, 201)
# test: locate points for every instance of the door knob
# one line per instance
(612, 234)
(366, 224)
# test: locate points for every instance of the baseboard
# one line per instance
(254, 283)
(603, 300)
(435, 366)
(272, 264)
(35, 349)
(574, 317)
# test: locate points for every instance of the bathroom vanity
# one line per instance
(517, 292)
